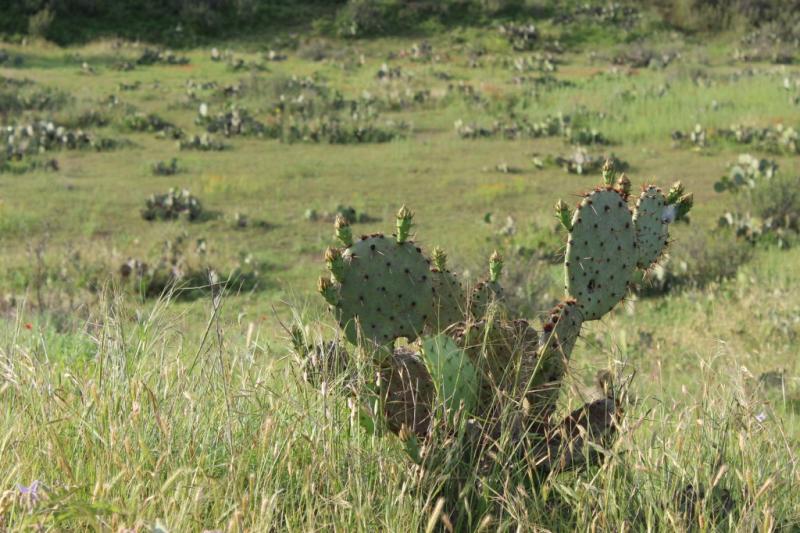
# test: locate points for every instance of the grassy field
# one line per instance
(187, 412)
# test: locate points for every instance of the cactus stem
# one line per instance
(328, 291)
(684, 205)
(439, 259)
(609, 173)
(675, 193)
(335, 263)
(343, 231)
(495, 266)
(564, 214)
(404, 223)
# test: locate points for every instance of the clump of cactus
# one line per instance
(747, 172)
(467, 361)
(146, 123)
(203, 143)
(232, 122)
(775, 139)
(44, 136)
(162, 168)
(521, 37)
(184, 265)
(767, 202)
(582, 162)
(175, 203)
(165, 57)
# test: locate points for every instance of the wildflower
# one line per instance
(30, 493)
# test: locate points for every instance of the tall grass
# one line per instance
(134, 424)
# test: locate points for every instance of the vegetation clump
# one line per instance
(465, 349)
(175, 203)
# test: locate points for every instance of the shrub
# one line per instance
(696, 262)
(39, 24)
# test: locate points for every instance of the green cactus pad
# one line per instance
(543, 379)
(453, 374)
(449, 300)
(386, 287)
(600, 252)
(652, 233)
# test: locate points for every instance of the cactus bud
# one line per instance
(684, 205)
(404, 217)
(328, 291)
(335, 263)
(439, 259)
(495, 266)
(609, 173)
(675, 192)
(564, 215)
(624, 185)
(343, 231)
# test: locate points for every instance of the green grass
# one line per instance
(133, 413)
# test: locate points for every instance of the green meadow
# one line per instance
(171, 402)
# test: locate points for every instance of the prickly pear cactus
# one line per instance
(487, 292)
(381, 283)
(600, 253)
(453, 374)
(650, 226)
(544, 377)
(449, 300)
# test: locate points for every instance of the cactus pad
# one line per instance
(448, 300)
(600, 253)
(384, 286)
(557, 341)
(453, 374)
(650, 228)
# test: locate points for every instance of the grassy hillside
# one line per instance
(126, 407)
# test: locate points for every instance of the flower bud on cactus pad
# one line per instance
(404, 222)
